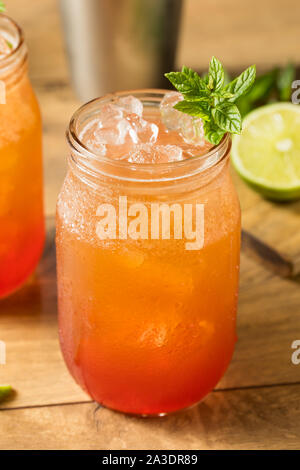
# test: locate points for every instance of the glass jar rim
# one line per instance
(19, 35)
(195, 164)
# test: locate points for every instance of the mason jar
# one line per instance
(21, 181)
(148, 267)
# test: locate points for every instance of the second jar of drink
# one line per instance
(21, 188)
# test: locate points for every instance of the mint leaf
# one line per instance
(210, 82)
(201, 96)
(223, 94)
(186, 81)
(240, 85)
(212, 99)
(216, 74)
(194, 78)
(2, 7)
(227, 116)
(259, 94)
(194, 108)
(213, 133)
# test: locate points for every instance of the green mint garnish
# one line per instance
(212, 99)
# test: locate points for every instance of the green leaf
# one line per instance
(285, 78)
(225, 94)
(194, 108)
(216, 74)
(210, 82)
(213, 133)
(201, 96)
(2, 7)
(242, 84)
(211, 99)
(260, 92)
(186, 81)
(227, 116)
(263, 85)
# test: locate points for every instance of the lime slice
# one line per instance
(5, 391)
(267, 153)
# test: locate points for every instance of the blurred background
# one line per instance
(238, 33)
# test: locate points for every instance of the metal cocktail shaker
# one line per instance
(120, 44)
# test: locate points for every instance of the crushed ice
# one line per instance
(121, 131)
(189, 127)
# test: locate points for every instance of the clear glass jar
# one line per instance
(147, 323)
(21, 180)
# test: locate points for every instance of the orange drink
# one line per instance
(21, 200)
(148, 241)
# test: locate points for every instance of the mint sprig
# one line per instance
(2, 7)
(211, 99)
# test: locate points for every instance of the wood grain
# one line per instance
(264, 418)
(267, 255)
(277, 224)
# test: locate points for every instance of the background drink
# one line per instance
(146, 326)
(21, 194)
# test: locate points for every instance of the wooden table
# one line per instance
(256, 405)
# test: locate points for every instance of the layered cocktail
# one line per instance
(148, 241)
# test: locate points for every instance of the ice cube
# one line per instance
(110, 111)
(192, 130)
(115, 132)
(169, 115)
(146, 131)
(110, 128)
(147, 153)
(94, 146)
(189, 127)
(87, 137)
(109, 116)
(130, 105)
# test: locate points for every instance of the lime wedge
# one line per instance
(5, 391)
(267, 153)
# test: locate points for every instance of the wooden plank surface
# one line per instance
(277, 224)
(263, 418)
